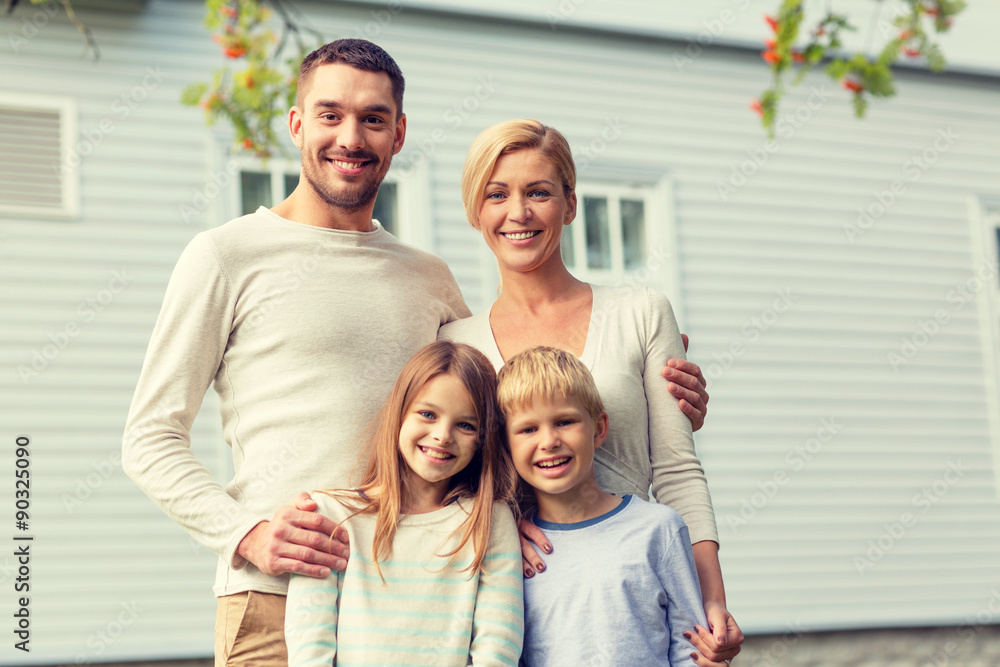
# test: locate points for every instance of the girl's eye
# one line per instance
(466, 426)
(528, 430)
(426, 414)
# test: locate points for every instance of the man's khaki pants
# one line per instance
(250, 630)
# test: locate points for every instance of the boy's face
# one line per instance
(552, 443)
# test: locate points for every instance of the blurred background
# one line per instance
(839, 283)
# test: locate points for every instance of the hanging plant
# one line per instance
(863, 76)
(257, 87)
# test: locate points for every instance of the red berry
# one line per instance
(770, 44)
(757, 107)
(771, 21)
(248, 143)
(852, 85)
(770, 56)
(234, 51)
(906, 35)
(912, 53)
(798, 56)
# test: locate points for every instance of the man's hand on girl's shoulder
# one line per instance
(297, 540)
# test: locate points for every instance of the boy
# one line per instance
(621, 585)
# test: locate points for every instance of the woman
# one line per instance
(518, 191)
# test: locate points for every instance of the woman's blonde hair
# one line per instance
(489, 477)
(508, 137)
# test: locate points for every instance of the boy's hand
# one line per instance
(687, 385)
(532, 536)
(723, 643)
(296, 540)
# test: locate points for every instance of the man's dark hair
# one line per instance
(359, 54)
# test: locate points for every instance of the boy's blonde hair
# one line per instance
(546, 372)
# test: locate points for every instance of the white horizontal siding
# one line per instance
(824, 358)
(969, 44)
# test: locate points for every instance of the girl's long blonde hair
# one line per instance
(489, 477)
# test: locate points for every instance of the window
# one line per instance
(266, 187)
(611, 237)
(40, 156)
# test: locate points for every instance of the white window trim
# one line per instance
(984, 255)
(68, 124)
(660, 270)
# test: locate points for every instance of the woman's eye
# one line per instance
(540, 193)
(495, 195)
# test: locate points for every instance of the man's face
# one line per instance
(348, 132)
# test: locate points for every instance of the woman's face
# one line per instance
(523, 211)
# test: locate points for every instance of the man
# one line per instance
(301, 316)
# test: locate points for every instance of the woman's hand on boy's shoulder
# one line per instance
(687, 385)
(532, 539)
(296, 540)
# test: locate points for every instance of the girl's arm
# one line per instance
(311, 620)
(498, 618)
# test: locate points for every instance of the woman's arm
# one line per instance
(498, 618)
(679, 481)
(723, 638)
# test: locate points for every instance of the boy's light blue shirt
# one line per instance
(620, 589)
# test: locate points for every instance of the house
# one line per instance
(839, 284)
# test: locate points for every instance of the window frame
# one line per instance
(412, 194)
(984, 219)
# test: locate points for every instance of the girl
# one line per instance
(518, 189)
(434, 573)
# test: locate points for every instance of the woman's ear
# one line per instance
(570, 208)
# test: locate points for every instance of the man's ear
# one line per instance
(397, 142)
(601, 425)
(295, 126)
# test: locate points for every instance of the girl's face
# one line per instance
(524, 209)
(439, 435)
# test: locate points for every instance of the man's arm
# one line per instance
(184, 355)
(687, 385)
